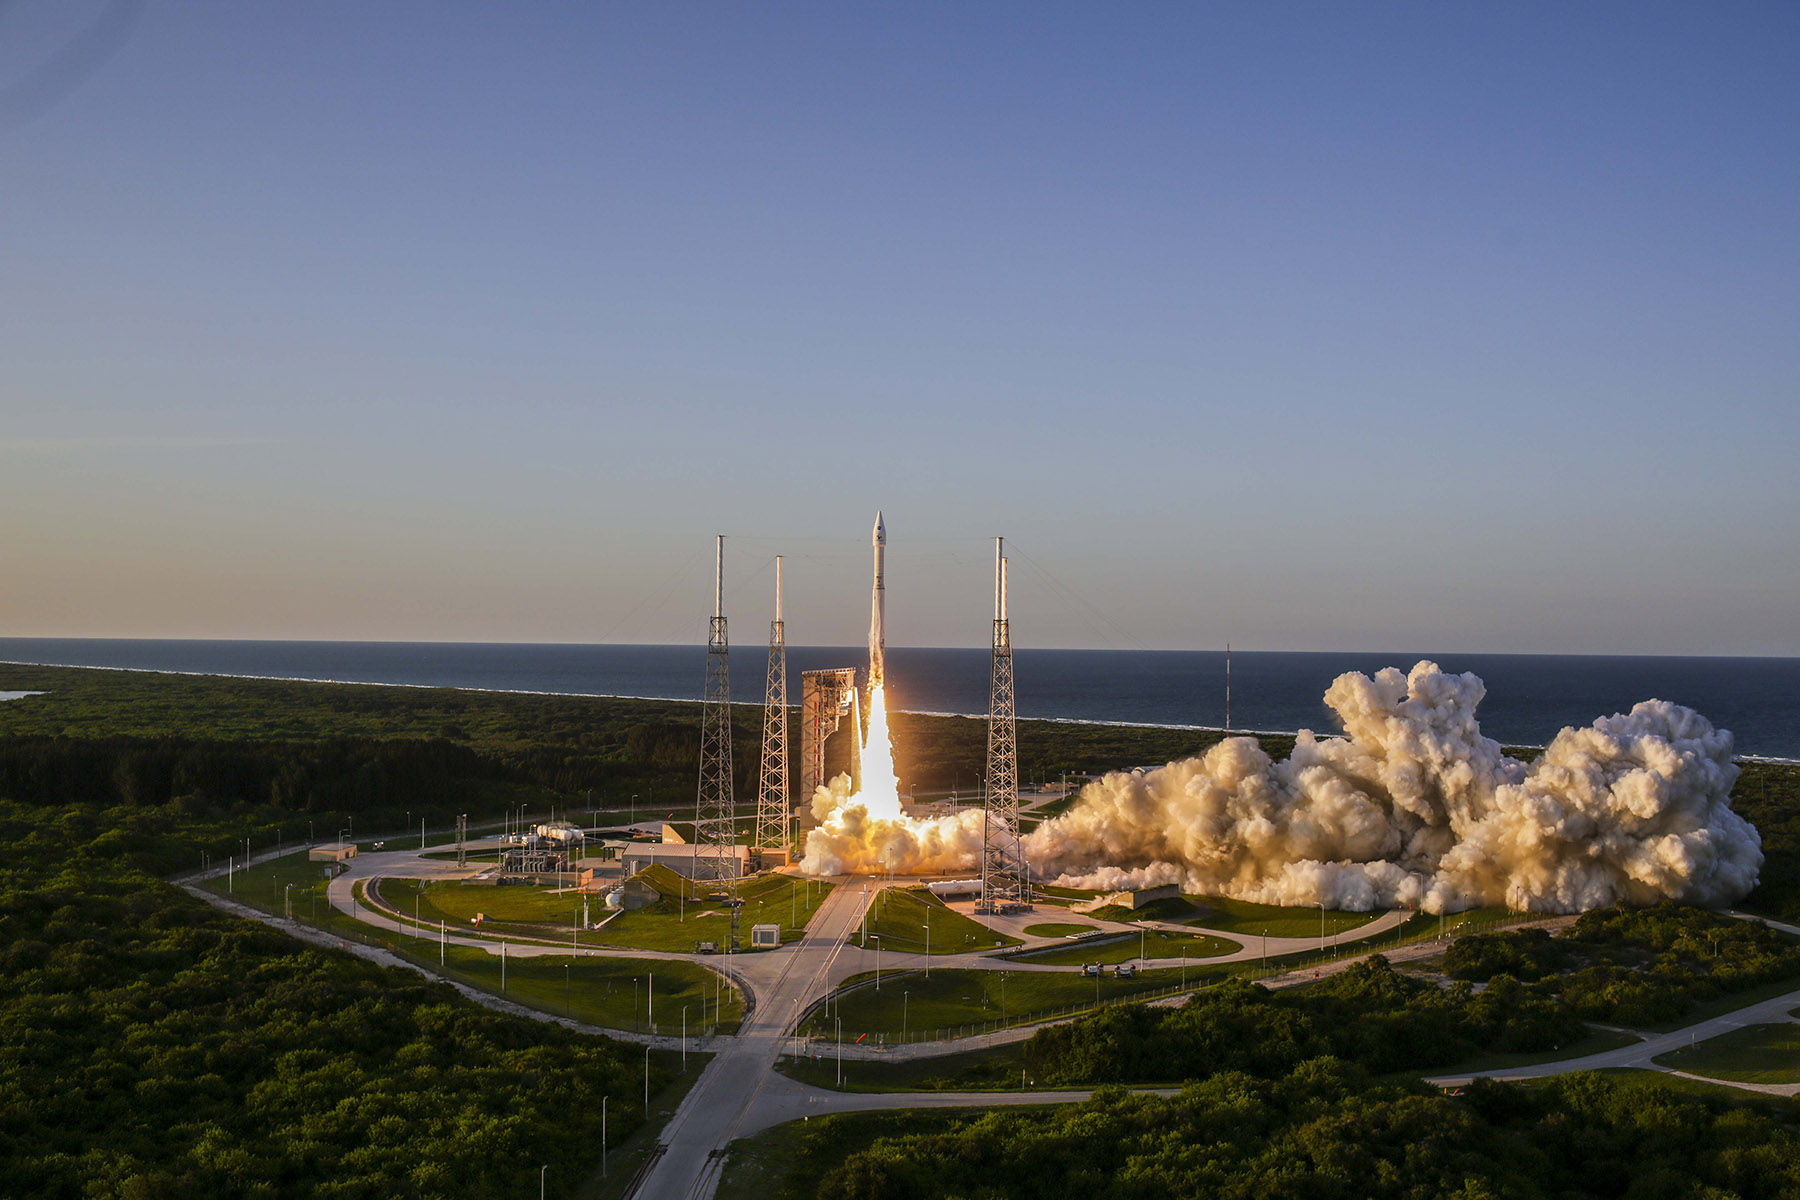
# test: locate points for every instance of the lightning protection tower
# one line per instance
(1004, 883)
(715, 839)
(774, 824)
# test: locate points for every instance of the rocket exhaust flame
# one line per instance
(866, 833)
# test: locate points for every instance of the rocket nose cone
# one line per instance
(880, 530)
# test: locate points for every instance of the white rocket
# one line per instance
(877, 635)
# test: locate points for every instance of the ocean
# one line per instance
(1530, 696)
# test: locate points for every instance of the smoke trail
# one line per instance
(866, 833)
(1414, 806)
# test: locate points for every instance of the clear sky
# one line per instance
(1336, 326)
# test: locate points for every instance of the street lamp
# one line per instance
(877, 939)
(906, 997)
(542, 1171)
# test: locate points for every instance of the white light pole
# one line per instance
(603, 1101)
(646, 1083)
(878, 962)
(839, 1035)
(542, 1171)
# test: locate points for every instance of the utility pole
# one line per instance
(1004, 882)
(715, 835)
(774, 815)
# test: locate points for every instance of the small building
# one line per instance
(765, 937)
(633, 893)
(682, 858)
(1145, 896)
(337, 852)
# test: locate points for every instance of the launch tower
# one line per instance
(1005, 885)
(774, 816)
(715, 839)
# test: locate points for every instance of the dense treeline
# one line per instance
(1322, 1132)
(1768, 794)
(1369, 1014)
(348, 747)
(152, 1047)
(1633, 967)
(1617, 966)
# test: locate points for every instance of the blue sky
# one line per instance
(1333, 326)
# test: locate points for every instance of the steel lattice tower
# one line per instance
(774, 824)
(1003, 874)
(715, 837)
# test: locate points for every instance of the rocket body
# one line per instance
(878, 602)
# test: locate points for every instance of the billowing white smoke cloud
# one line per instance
(853, 840)
(1414, 806)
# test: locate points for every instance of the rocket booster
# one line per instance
(878, 602)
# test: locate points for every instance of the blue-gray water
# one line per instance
(1529, 698)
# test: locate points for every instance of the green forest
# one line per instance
(151, 1046)
(1324, 1130)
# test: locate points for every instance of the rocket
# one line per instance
(878, 602)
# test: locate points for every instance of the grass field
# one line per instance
(908, 1004)
(1057, 929)
(596, 990)
(1152, 943)
(1252, 920)
(997, 1068)
(1691, 1087)
(1752, 1054)
(899, 918)
(640, 994)
(675, 924)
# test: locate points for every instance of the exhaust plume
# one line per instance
(1415, 807)
(866, 833)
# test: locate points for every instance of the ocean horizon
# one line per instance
(1529, 697)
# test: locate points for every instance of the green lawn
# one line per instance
(1252, 920)
(953, 998)
(674, 923)
(1153, 943)
(1675, 1083)
(1057, 929)
(1752, 1054)
(596, 990)
(899, 916)
(519, 908)
(620, 993)
(993, 1069)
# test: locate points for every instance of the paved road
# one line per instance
(1642, 1054)
(722, 1102)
